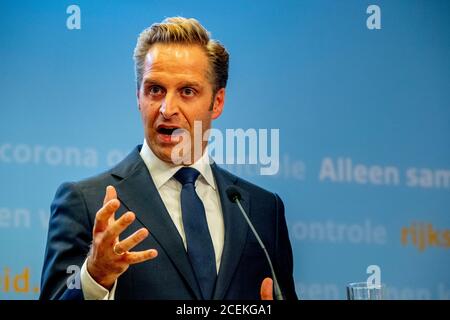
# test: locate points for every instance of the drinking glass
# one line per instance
(365, 291)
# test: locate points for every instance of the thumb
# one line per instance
(267, 289)
(110, 194)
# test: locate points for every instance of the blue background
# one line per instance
(312, 69)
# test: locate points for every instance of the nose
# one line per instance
(168, 107)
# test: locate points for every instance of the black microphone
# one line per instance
(235, 196)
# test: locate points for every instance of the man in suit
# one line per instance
(159, 225)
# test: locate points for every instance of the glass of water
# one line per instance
(365, 291)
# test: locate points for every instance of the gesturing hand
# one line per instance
(267, 289)
(109, 257)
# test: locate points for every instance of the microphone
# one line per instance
(235, 196)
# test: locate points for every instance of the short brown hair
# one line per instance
(188, 31)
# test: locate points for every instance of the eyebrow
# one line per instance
(191, 84)
(149, 81)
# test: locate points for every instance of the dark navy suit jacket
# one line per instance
(170, 275)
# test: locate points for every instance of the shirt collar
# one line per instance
(162, 172)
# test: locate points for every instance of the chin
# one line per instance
(165, 155)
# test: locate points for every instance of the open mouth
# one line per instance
(166, 131)
(168, 134)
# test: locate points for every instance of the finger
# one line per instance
(132, 241)
(141, 256)
(116, 228)
(267, 289)
(110, 194)
(102, 216)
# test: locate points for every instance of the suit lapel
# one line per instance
(139, 194)
(235, 231)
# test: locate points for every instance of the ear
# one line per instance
(137, 99)
(219, 101)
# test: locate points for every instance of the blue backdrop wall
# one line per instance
(361, 98)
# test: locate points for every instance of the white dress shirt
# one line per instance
(169, 189)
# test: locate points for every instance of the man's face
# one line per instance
(176, 91)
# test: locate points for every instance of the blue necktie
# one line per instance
(200, 248)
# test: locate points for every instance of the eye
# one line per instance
(188, 92)
(155, 91)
